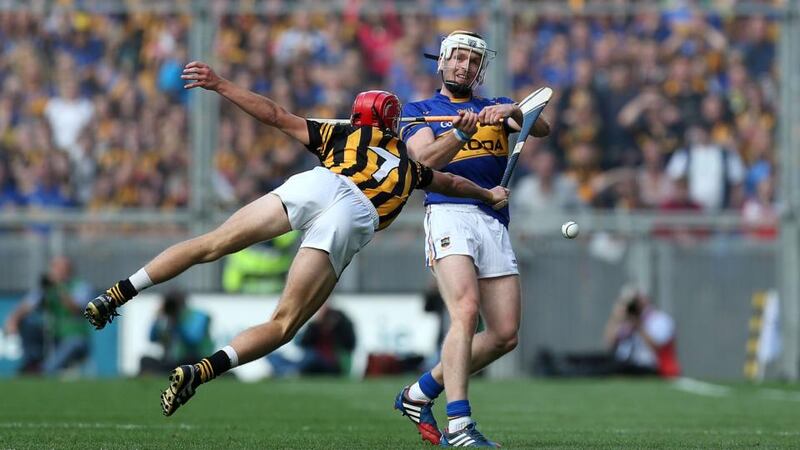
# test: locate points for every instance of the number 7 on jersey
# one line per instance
(532, 106)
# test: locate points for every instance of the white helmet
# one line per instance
(469, 41)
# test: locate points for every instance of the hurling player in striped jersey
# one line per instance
(363, 182)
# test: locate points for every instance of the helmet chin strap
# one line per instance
(457, 89)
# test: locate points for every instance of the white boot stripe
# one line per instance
(459, 439)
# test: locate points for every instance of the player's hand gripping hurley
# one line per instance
(532, 106)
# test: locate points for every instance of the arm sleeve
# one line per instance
(318, 136)
(411, 110)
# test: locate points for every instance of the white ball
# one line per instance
(570, 230)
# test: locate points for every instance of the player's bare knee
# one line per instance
(509, 343)
(504, 341)
(465, 316)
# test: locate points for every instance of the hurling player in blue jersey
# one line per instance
(467, 245)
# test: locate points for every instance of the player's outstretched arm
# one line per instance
(199, 74)
(456, 186)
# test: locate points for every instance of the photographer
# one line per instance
(640, 341)
(326, 344)
(641, 337)
(50, 323)
(182, 332)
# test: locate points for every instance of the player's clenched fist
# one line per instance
(496, 114)
(499, 197)
(199, 74)
(466, 121)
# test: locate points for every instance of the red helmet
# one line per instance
(376, 109)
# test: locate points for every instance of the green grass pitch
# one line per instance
(329, 413)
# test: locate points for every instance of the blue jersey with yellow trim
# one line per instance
(482, 159)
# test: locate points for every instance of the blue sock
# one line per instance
(429, 386)
(458, 408)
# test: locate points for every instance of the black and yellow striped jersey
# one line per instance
(375, 161)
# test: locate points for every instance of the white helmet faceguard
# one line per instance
(468, 41)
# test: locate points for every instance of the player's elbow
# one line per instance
(283, 119)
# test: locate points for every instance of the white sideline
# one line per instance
(700, 387)
(703, 388)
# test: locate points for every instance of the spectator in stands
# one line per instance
(655, 187)
(715, 174)
(585, 172)
(650, 114)
(760, 212)
(68, 116)
(50, 322)
(680, 202)
(639, 338)
(376, 33)
(619, 190)
(620, 81)
(758, 45)
(326, 344)
(545, 189)
(182, 332)
(617, 143)
(10, 197)
(301, 41)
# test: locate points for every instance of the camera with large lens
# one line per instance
(634, 307)
(45, 282)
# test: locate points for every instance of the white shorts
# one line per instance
(452, 229)
(334, 215)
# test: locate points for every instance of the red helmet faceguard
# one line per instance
(376, 109)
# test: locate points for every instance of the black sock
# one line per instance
(122, 292)
(213, 366)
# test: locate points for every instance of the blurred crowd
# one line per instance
(661, 110)
(92, 112)
(666, 110)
